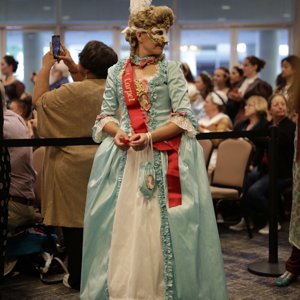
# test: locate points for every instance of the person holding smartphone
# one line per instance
(70, 111)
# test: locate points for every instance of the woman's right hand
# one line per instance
(121, 140)
(235, 95)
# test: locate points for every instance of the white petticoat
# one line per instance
(135, 262)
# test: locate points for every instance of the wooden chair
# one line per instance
(207, 147)
(234, 156)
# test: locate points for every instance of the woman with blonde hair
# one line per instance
(256, 111)
(255, 200)
(147, 235)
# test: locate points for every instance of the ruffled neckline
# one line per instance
(137, 60)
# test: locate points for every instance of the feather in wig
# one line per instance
(138, 5)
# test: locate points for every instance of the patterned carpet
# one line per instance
(239, 251)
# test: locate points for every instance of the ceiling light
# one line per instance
(226, 7)
(66, 17)
(222, 19)
(286, 15)
(184, 48)
(193, 48)
(241, 47)
(283, 50)
(47, 8)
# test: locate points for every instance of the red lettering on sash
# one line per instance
(139, 126)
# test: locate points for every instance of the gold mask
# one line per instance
(158, 35)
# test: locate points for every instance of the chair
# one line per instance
(38, 161)
(207, 147)
(234, 156)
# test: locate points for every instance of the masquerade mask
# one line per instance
(158, 35)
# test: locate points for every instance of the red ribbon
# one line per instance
(173, 175)
(139, 126)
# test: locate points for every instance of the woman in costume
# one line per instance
(150, 230)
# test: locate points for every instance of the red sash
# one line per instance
(139, 126)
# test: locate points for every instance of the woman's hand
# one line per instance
(139, 141)
(121, 140)
(235, 95)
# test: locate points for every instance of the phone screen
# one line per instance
(56, 45)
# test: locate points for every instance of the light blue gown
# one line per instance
(189, 247)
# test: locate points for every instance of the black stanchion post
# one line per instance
(272, 267)
(273, 204)
(2, 223)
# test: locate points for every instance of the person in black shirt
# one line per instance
(255, 202)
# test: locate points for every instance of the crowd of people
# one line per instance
(126, 194)
(240, 100)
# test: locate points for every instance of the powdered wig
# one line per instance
(153, 16)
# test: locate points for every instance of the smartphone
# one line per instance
(56, 45)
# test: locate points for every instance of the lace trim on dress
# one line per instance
(98, 134)
(119, 182)
(159, 79)
(182, 121)
(165, 233)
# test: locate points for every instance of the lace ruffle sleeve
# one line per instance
(182, 114)
(182, 121)
(109, 107)
(98, 134)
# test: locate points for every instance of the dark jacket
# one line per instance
(259, 146)
(258, 88)
(232, 107)
(286, 135)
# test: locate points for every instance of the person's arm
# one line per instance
(223, 126)
(107, 121)
(42, 79)
(69, 62)
(119, 135)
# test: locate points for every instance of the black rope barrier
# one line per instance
(77, 141)
(56, 142)
(271, 267)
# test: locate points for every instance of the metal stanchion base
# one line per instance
(264, 268)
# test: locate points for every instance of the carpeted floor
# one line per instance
(239, 251)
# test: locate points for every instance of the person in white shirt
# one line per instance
(252, 84)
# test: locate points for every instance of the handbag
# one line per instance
(147, 177)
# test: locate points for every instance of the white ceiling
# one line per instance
(106, 11)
